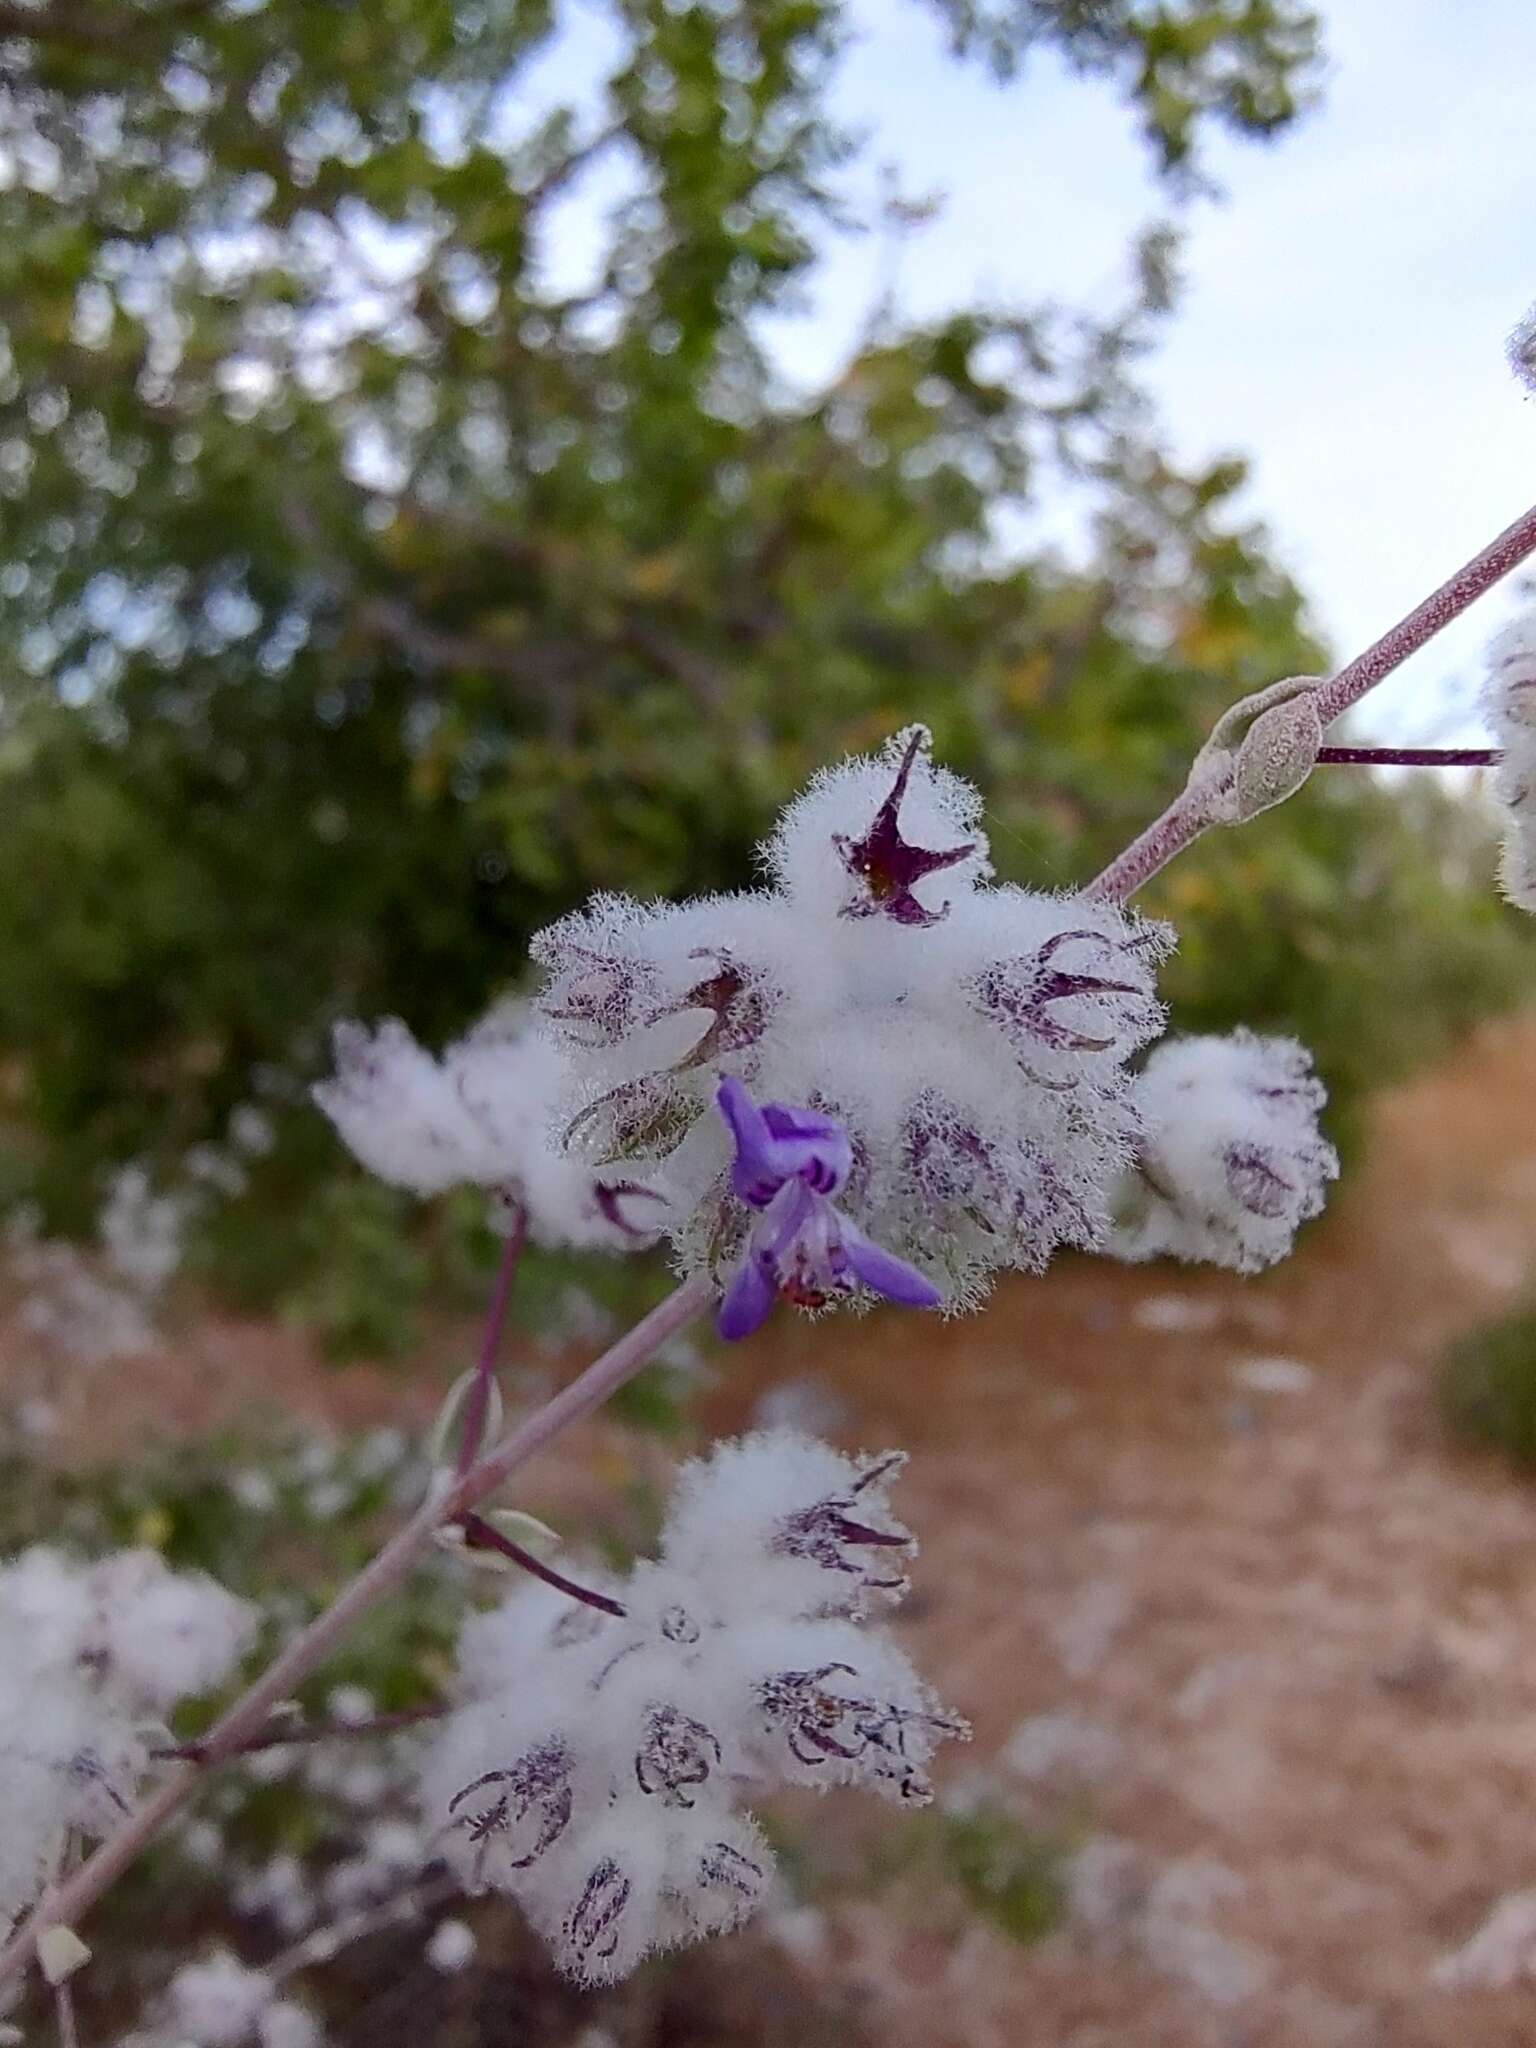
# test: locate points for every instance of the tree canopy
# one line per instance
(372, 590)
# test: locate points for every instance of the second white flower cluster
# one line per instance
(92, 1656)
(595, 1766)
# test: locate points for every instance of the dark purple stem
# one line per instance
(1409, 757)
(480, 1534)
(291, 1733)
(479, 1403)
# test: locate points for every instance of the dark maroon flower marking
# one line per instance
(537, 1788)
(887, 864)
(676, 1753)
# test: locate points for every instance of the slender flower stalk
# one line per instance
(1194, 811)
(391, 1566)
(64, 2013)
(478, 1406)
(1409, 757)
(480, 1534)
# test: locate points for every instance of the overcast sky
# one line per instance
(1346, 305)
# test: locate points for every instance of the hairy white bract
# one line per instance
(1232, 1162)
(1510, 703)
(91, 1658)
(481, 1115)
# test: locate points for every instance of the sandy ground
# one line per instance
(1228, 1612)
(1271, 1639)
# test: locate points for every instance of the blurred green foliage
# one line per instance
(1009, 1874)
(382, 573)
(1488, 1386)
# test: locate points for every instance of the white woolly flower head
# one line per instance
(67, 1761)
(1233, 1162)
(824, 1703)
(166, 1636)
(143, 1634)
(481, 1115)
(493, 1646)
(1521, 349)
(217, 2001)
(1510, 703)
(398, 1113)
(810, 1528)
(90, 1656)
(971, 1038)
(593, 1773)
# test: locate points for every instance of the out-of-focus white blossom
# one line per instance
(593, 1767)
(483, 1115)
(218, 2002)
(972, 1038)
(1510, 703)
(286, 2024)
(451, 1947)
(91, 1656)
(141, 1232)
(166, 1636)
(1233, 1161)
(250, 1131)
(100, 1309)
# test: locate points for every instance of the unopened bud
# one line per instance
(1278, 754)
(1260, 751)
(447, 1430)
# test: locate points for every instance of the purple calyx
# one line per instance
(887, 864)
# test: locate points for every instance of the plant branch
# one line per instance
(477, 1407)
(388, 1569)
(285, 1734)
(1192, 812)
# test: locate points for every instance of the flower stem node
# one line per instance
(1260, 751)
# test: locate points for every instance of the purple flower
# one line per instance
(788, 1164)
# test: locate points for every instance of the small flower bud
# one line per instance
(443, 1443)
(1278, 754)
(1260, 751)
